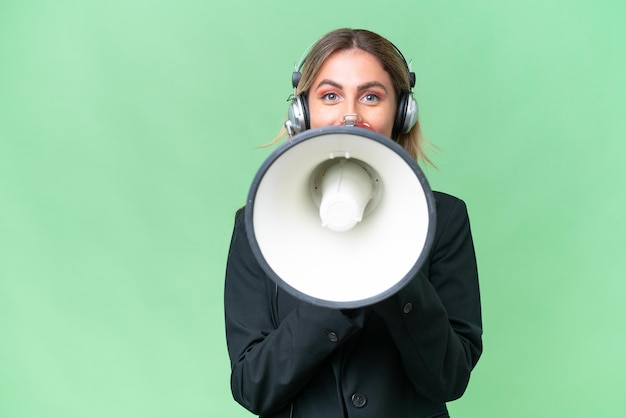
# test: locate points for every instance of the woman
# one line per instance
(403, 357)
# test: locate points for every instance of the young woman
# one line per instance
(405, 356)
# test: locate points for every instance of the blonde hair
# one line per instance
(389, 57)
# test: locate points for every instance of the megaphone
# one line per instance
(340, 216)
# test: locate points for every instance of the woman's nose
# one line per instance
(350, 108)
(349, 114)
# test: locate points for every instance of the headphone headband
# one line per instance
(296, 75)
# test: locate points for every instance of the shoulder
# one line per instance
(446, 203)
(240, 216)
(452, 219)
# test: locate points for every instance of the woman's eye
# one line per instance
(371, 97)
(331, 97)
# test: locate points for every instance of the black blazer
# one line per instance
(403, 357)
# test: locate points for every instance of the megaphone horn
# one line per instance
(343, 188)
(340, 216)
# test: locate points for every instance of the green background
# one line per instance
(128, 138)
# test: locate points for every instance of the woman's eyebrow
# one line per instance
(361, 87)
(330, 83)
(371, 84)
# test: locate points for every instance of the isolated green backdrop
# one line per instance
(128, 134)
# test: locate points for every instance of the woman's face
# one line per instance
(353, 82)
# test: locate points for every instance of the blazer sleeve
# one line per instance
(271, 362)
(435, 321)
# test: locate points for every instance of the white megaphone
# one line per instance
(340, 216)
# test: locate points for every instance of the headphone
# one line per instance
(298, 119)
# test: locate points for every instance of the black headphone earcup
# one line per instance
(406, 115)
(298, 114)
(304, 102)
